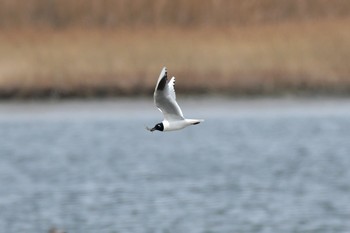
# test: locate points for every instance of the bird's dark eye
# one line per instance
(159, 127)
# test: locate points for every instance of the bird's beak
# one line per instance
(150, 129)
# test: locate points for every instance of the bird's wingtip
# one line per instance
(163, 72)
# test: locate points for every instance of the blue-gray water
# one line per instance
(252, 166)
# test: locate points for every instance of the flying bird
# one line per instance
(165, 99)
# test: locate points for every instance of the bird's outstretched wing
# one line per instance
(165, 97)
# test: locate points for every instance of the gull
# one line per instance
(165, 99)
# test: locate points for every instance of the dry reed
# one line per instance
(256, 59)
(117, 47)
(184, 13)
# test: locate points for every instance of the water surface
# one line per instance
(253, 166)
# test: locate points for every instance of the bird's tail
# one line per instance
(194, 121)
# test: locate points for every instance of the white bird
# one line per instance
(165, 100)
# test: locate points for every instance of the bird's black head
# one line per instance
(158, 126)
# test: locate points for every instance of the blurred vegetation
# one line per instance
(184, 13)
(61, 48)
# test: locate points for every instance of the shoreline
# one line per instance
(205, 107)
(99, 94)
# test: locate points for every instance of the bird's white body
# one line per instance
(179, 124)
(165, 99)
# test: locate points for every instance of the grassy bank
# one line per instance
(288, 57)
(160, 13)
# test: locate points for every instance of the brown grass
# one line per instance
(117, 47)
(126, 13)
(284, 57)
